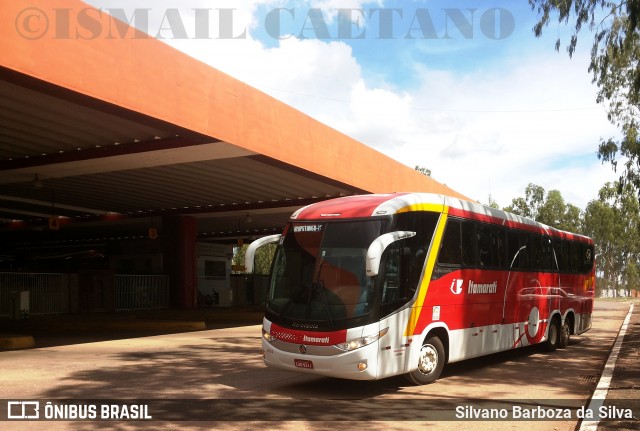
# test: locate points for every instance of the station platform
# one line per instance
(50, 330)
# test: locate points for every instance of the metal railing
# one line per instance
(48, 293)
(141, 292)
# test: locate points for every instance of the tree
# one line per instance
(534, 196)
(530, 204)
(599, 225)
(572, 219)
(519, 206)
(551, 210)
(615, 60)
(613, 221)
(493, 203)
(423, 170)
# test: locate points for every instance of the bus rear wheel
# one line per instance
(565, 333)
(430, 362)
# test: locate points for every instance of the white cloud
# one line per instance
(531, 120)
(479, 133)
(330, 8)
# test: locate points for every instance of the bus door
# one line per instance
(398, 284)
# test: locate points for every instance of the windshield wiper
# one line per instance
(321, 288)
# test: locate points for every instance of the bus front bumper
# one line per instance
(359, 364)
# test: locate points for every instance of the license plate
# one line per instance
(301, 363)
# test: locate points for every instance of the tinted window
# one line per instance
(468, 244)
(481, 245)
(404, 260)
(517, 240)
(542, 253)
(575, 256)
(587, 262)
(415, 248)
(491, 246)
(450, 253)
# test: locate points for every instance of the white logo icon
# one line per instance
(456, 286)
(23, 410)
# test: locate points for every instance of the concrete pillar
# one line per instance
(179, 236)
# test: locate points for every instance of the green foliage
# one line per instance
(519, 206)
(551, 210)
(572, 220)
(492, 203)
(263, 258)
(615, 61)
(530, 205)
(613, 221)
(423, 170)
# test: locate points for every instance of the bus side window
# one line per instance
(557, 250)
(424, 224)
(397, 288)
(450, 252)
(587, 263)
(491, 246)
(500, 239)
(468, 245)
(485, 246)
(575, 256)
(542, 253)
(516, 241)
(391, 281)
(549, 262)
(562, 252)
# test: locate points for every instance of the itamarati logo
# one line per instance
(475, 288)
(456, 286)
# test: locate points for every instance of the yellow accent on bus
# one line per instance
(416, 309)
(431, 207)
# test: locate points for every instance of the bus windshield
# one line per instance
(319, 271)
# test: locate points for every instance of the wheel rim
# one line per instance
(553, 334)
(428, 359)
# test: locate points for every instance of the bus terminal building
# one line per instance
(128, 170)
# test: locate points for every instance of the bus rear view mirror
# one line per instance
(379, 245)
(250, 254)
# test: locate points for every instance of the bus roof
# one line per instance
(379, 205)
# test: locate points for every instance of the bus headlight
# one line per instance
(267, 336)
(361, 342)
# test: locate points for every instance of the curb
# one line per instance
(16, 342)
(150, 325)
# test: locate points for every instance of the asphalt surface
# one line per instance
(624, 386)
(48, 331)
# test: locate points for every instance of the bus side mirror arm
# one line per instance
(250, 254)
(379, 245)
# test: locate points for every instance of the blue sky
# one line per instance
(489, 109)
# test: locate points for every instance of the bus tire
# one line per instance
(565, 334)
(551, 343)
(430, 362)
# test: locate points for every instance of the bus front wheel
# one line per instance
(551, 344)
(430, 362)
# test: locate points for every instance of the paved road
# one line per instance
(218, 376)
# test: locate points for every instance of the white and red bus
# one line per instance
(368, 287)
